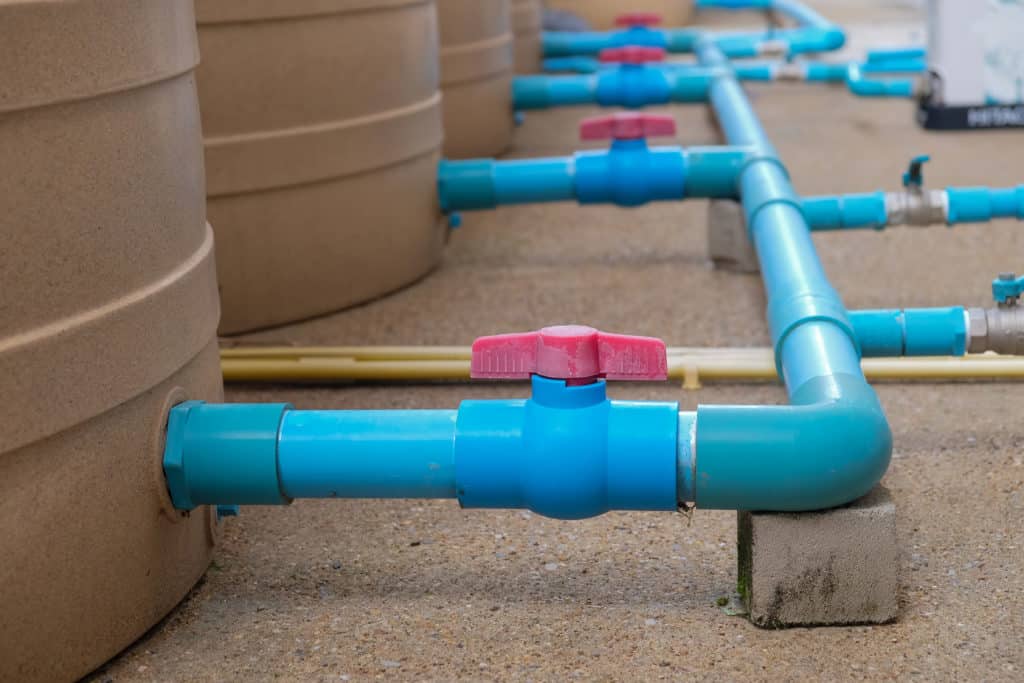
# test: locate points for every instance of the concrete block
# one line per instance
(729, 246)
(820, 568)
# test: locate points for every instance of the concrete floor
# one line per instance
(412, 590)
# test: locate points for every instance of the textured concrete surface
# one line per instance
(729, 245)
(820, 568)
(407, 590)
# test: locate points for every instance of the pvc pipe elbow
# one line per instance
(804, 457)
(861, 86)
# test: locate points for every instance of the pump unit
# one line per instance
(976, 64)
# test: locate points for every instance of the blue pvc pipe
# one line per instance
(628, 174)
(981, 204)
(834, 444)
(566, 452)
(813, 34)
(863, 86)
(868, 210)
(629, 85)
(896, 54)
(845, 211)
(367, 454)
(912, 332)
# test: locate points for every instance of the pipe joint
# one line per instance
(785, 315)
(630, 174)
(567, 452)
(815, 455)
(224, 454)
(999, 329)
(917, 207)
(633, 86)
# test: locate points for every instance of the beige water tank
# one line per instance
(322, 124)
(108, 316)
(527, 23)
(601, 14)
(477, 63)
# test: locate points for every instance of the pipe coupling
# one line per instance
(999, 329)
(918, 208)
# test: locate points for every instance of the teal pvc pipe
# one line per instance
(657, 173)
(367, 454)
(911, 332)
(981, 204)
(868, 210)
(833, 444)
(863, 86)
(845, 211)
(813, 34)
(542, 92)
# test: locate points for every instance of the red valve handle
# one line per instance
(575, 353)
(633, 19)
(632, 54)
(627, 126)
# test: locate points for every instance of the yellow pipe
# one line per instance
(689, 365)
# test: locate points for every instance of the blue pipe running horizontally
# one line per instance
(629, 173)
(911, 332)
(806, 70)
(629, 85)
(862, 85)
(870, 210)
(813, 33)
(566, 452)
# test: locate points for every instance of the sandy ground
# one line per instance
(410, 590)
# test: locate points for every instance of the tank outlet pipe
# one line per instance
(813, 33)
(1000, 329)
(833, 443)
(566, 452)
(635, 80)
(628, 173)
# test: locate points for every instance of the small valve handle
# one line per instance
(914, 177)
(1007, 288)
(627, 126)
(574, 353)
(632, 54)
(638, 19)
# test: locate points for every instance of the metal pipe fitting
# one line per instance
(917, 207)
(999, 329)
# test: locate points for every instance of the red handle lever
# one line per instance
(633, 19)
(632, 54)
(627, 126)
(569, 352)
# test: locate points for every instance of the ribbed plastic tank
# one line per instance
(477, 63)
(601, 14)
(108, 316)
(527, 23)
(322, 125)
